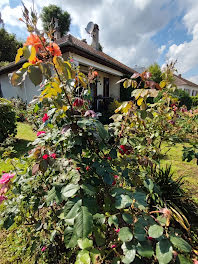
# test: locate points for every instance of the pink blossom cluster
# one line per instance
(4, 181)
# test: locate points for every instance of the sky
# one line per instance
(135, 32)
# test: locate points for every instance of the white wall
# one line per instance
(27, 90)
(189, 89)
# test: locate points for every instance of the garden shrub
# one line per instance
(86, 195)
(20, 109)
(194, 100)
(7, 119)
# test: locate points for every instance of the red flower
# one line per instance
(114, 183)
(87, 168)
(115, 176)
(78, 168)
(78, 102)
(113, 246)
(95, 74)
(53, 155)
(124, 150)
(35, 41)
(109, 158)
(150, 238)
(45, 118)
(45, 156)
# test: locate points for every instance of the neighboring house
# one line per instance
(109, 70)
(183, 84)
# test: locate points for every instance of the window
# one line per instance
(106, 87)
(1, 94)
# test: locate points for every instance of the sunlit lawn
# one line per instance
(188, 170)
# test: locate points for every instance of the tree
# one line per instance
(156, 72)
(8, 46)
(53, 11)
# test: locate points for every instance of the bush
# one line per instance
(7, 119)
(20, 109)
(194, 100)
(183, 97)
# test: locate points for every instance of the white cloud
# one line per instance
(194, 79)
(161, 49)
(186, 53)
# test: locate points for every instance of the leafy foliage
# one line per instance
(88, 194)
(7, 119)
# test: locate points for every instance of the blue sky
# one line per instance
(136, 32)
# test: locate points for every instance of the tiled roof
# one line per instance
(70, 40)
(68, 43)
(181, 81)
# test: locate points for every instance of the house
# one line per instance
(186, 85)
(109, 69)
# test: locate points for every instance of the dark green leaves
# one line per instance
(35, 75)
(70, 237)
(129, 253)
(83, 222)
(155, 231)
(164, 251)
(113, 220)
(144, 249)
(54, 195)
(181, 244)
(127, 218)
(123, 201)
(125, 234)
(85, 243)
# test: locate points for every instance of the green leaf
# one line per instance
(101, 129)
(69, 190)
(180, 244)
(9, 221)
(35, 75)
(182, 260)
(16, 78)
(155, 231)
(89, 189)
(139, 232)
(26, 52)
(148, 183)
(129, 253)
(113, 220)
(71, 214)
(54, 195)
(144, 249)
(123, 201)
(83, 222)
(99, 219)
(127, 83)
(116, 260)
(70, 237)
(127, 218)
(85, 243)
(162, 220)
(164, 251)
(99, 236)
(140, 200)
(125, 234)
(95, 256)
(83, 257)
(143, 114)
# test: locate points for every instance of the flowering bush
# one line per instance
(86, 195)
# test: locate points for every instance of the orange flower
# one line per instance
(35, 41)
(35, 60)
(54, 49)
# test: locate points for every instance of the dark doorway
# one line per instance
(106, 87)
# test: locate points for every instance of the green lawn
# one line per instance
(188, 170)
(24, 136)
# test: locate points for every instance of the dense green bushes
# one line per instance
(194, 100)
(7, 119)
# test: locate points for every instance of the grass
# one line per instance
(24, 136)
(187, 170)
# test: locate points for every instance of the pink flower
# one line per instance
(53, 155)
(45, 118)
(117, 230)
(6, 178)
(113, 246)
(78, 102)
(195, 261)
(40, 133)
(150, 238)
(90, 113)
(45, 157)
(124, 150)
(2, 198)
(109, 158)
(115, 176)
(43, 248)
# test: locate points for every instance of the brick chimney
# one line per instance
(95, 37)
